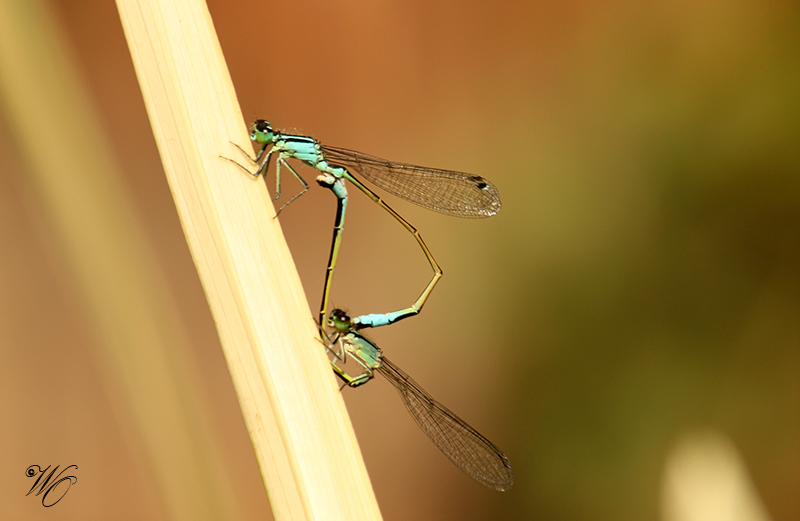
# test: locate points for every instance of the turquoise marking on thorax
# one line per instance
(306, 149)
(367, 353)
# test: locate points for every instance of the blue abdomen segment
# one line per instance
(375, 320)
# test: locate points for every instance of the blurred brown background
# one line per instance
(639, 290)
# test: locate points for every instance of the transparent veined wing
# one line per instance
(446, 191)
(462, 444)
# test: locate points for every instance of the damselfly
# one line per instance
(445, 191)
(463, 445)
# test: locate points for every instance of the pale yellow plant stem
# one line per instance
(300, 430)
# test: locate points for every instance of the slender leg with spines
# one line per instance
(263, 166)
(279, 162)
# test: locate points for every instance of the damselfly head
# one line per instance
(262, 132)
(339, 320)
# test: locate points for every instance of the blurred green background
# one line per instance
(639, 290)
